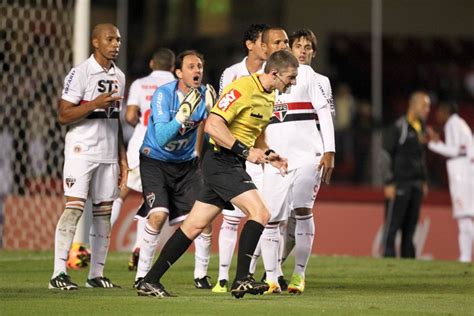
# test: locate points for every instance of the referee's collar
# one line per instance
(256, 79)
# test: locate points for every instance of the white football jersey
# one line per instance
(140, 94)
(293, 132)
(460, 165)
(232, 73)
(94, 138)
(458, 137)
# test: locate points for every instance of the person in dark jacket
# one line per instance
(405, 175)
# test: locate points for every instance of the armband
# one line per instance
(240, 149)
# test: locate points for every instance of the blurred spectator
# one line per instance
(345, 107)
(362, 127)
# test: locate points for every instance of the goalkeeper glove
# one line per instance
(211, 97)
(188, 105)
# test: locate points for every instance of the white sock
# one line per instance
(270, 245)
(99, 238)
(257, 253)
(289, 237)
(65, 230)
(227, 242)
(465, 238)
(116, 207)
(281, 245)
(202, 245)
(141, 222)
(147, 250)
(304, 236)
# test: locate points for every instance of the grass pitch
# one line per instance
(335, 285)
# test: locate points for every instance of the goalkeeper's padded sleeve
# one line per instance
(165, 132)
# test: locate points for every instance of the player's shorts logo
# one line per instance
(150, 199)
(70, 181)
(279, 111)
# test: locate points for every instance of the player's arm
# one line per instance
(123, 163)
(451, 147)
(273, 158)
(323, 109)
(216, 127)
(199, 140)
(69, 112)
(389, 145)
(132, 115)
(167, 127)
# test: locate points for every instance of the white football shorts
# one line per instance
(134, 181)
(99, 181)
(256, 173)
(297, 189)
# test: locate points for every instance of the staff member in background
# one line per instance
(405, 175)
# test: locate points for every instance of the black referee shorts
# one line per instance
(174, 186)
(224, 178)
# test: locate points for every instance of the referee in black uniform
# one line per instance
(405, 175)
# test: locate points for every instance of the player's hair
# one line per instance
(252, 33)
(450, 106)
(305, 33)
(180, 57)
(268, 30)
(280, 60)
(163, 59)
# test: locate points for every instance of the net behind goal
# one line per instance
(35, 55)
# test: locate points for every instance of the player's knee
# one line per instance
(263, 215)
(72, 212)
(157, 219)
(302, 211)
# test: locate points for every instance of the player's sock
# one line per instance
(227, 242)
(247, 243)
(270, 244)
(99, 238)
(201, 256)
(289, 237)
(256, 254)
(304, 236)
(141, 223)
(281, 245)
(173, 249)
(465, 238)
(147, 250)
(116, 207)
(65, 230)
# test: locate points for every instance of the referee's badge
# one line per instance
(280, 110)
(150, 199)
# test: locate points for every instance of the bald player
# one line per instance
(95, 164)
(405, 175)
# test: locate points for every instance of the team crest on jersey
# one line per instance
(70, 181)
(228, 99)
(150, 199)
(280, 110)
(187, 126)
(111, 109)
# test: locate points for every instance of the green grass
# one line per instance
(335, 285)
